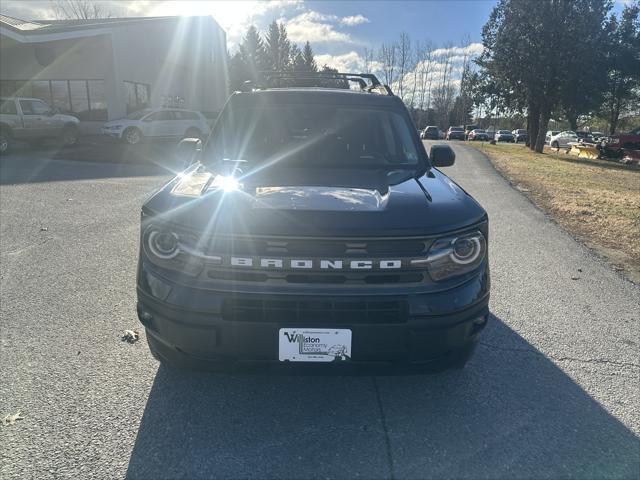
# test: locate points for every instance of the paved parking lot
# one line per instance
(553, 390)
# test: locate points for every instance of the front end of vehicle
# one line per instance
(113, 129)
(311, 251)
(210, 298)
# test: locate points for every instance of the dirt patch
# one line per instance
(597, 201)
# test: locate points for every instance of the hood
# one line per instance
(121, 121)
(328, 203)
(67, 118)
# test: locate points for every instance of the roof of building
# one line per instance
(61, 26)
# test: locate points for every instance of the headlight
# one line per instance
(454, 256)
(163, 244)
(172, 250)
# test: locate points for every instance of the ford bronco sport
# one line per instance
(313, 227)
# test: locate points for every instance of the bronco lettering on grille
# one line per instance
(321, 264)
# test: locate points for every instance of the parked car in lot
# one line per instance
(550, 133)
(562, 139)
(520, 135)
(455, 133)
(478, 134)
(468, 129)
(615, 145)
(166, 123)
(32, 120)
(504, 136)
(430, 133)
(585, 137)
(336, 256)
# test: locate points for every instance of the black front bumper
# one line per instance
(433, 328)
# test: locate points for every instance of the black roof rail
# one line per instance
(373, 84)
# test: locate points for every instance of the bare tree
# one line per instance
(80, 10)
(422, 71)
(444, 93)
(404, 60)
(368, 59)
(387, 57)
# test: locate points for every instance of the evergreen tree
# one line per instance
(309, 59)
(253, 54)
(622, 92)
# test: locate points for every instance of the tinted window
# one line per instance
(8, 107)
(183, 115)
(33, 107)
(316, 136)
(456, 129)
(161, 115)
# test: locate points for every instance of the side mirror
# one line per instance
(188, 151)
(442, 156)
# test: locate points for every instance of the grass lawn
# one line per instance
(595, 200)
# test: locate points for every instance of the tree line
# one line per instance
(566, 59)
(274, 52)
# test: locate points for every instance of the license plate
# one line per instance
(314, 344)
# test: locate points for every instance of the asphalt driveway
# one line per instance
(553, 390)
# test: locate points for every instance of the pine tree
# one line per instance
(309, 59)
(253, 54)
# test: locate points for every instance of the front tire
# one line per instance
(193, 133)
(5, 142)
(555, 145)
(132, 136)
(70, 136)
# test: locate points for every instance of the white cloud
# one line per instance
(470, 50)
(354, 20)
(347, 62)
(315, 27)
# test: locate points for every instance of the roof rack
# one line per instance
(275, 79)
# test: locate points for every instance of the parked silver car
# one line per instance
(158, 123)
(562, 139)
(32, 120)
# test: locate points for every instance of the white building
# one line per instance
(103, 69)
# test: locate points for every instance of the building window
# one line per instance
(15, 88)
(137, 96)
(79, 98)
(41, 89)
(85, 99)
(60, 95)
(97, 100)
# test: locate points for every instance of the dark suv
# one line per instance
(314, 227)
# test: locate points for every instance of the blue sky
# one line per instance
(338, 30)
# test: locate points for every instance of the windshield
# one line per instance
(314, 136)
(504, 132)
(478, 131)
(138, 114)
(456, 129)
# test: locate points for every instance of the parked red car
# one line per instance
(615, 146)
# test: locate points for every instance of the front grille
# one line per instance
(288, 248)
(315, 247)
(315, 277)
(313, 311)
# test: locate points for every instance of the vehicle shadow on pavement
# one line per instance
(511, 413)
(88, 161)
